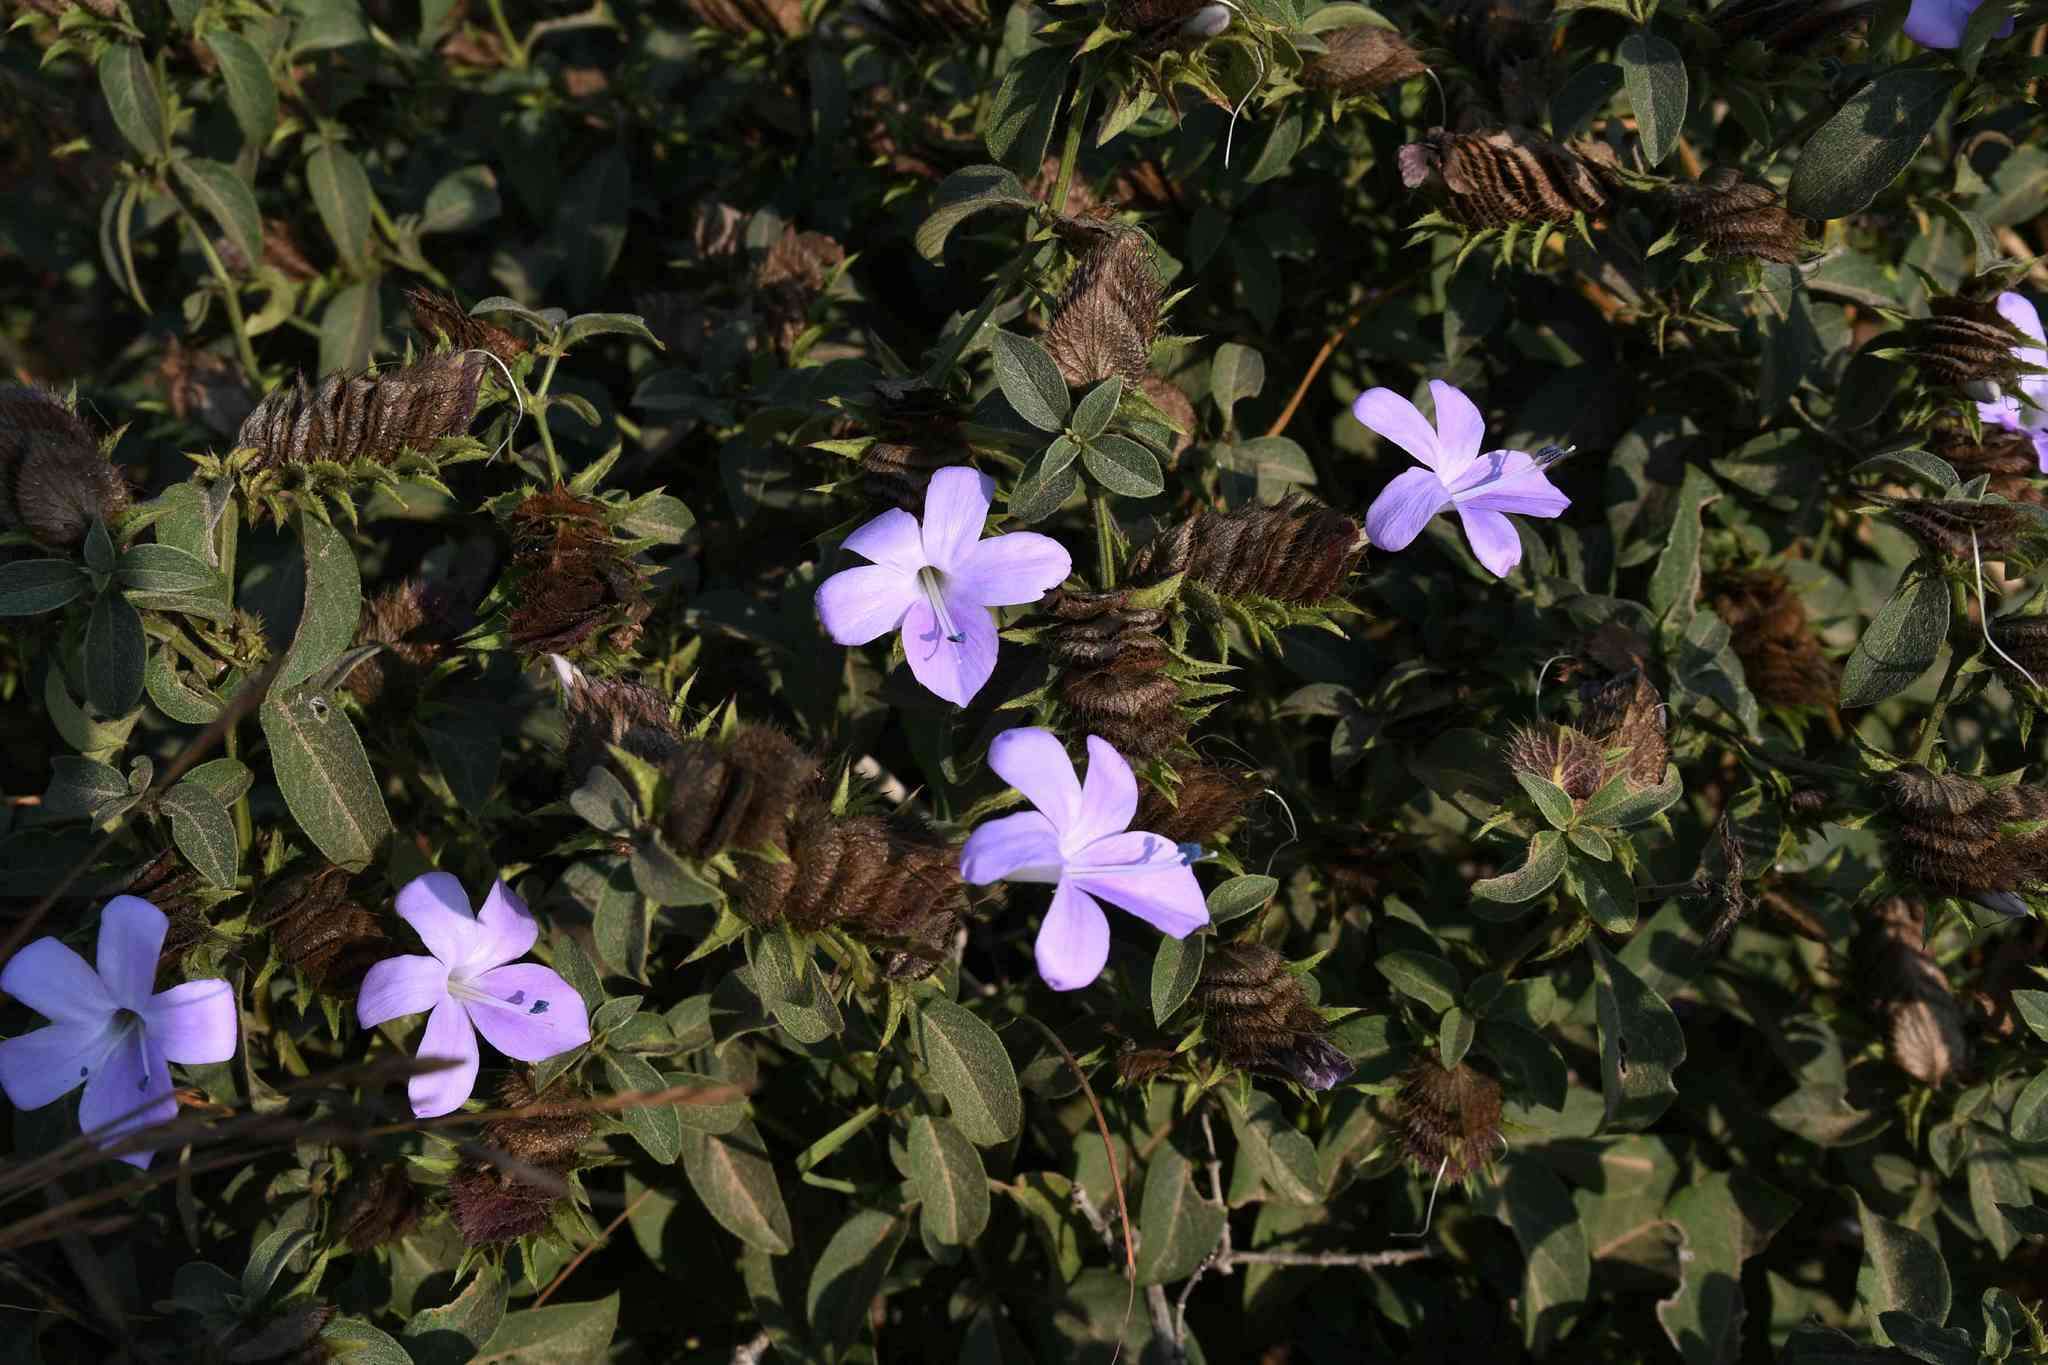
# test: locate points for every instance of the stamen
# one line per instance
(1550, 455)
(928, 579)
(1189, 853)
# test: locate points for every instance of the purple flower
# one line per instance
(1940, 23)
(527, 1011)
(108, 1031)
(1454, 474)
(1078, 841)
(2027, 412)
(936, 583)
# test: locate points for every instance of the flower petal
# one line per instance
(1035, 763)
(1009, 570)
(194, 1023)
(1494, 541)
(1147, 875)
(2015, 309)
(952, 669)
(1460, 430)
(1109, 796)
(1403, 508)
(1509, 481)
(528, 1011)
(129, 1091)
(131, 940)
(56, 983)
(449, 1038)
(864, 603)
(892, 539)
(1938, 23)
(40, 1067)
(1073, 943)
(399, 986)
(437, 908)
(1017, 848)
(955, 510)
(510, 930)
(1398, 420)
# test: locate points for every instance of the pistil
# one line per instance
(928, 579)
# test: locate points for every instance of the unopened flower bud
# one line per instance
(1966, 343)
(1963, 530)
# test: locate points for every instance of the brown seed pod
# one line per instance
(1964, 341)
(1626, 713)
(438, 316)
(1767, 622)
(1492, 179)
(790, 278)
(898, 472)
(1962, 530)
(573, 583)
(1295, 550)
(1919, 1016)
(1259, 1018)
(53, 480)
(410, 620)
(598, 714)
(1559, 754)
(371, 417)
(738, 795)
(1448, 1120)
(1109, 315)
(542, 1134)
(1361, 60)
(1209, 802)
(205, 388)
(1113, 674)
(170, 885)
(768, 18)
(1734, 218)
(2023, 640)
(491, 1206)
(1946, 833)
(320, 928)
(382, 1207)
(2008, 457)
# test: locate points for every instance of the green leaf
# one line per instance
(1932, 468)
(1725, 1219)
(453, 1333)
(1994, 1178)
(1901, 1270)
(341, 192)
(268, 1260)
(29, 587)
(1901, 642)
(1039, 494)
(2028, 1121)
(325, 775)
(1655, 75)
(1020, 117)
(849, 1275)
(1093, 413)
(172, 697)
(2033, 1010)
(1641, 1044)
(351, 1341)
(1675, 585)
(732, 1175)
(467, 745)
(203, 831)
(1607, 892)
(950, 1181)
(333, 602)
(655, 1127)
(1558, 1269)
(1237, 372)
(663, 879)
(350, 327)
(1283, 1156)
(1278, 151)
(972, 1071)
(1582, 96)
(560, 1334)
(115, 651)
(138, 109)
(162, 568)
(1455, 1033)
(1422, 976)
(1240, 896)
(1553, 803)
(460, 200)
(1926, 1341)
(1544, 863)
(79, 786)
(1852, 157)
(1124, 467)
(1177, 1227)
(228, 779)
(1176, 967)
(964, 193)
(1030, 381)
(227, 200)
(251, 94)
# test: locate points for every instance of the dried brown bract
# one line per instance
(1781, 658)
(1259, 1018)
(1113, 671)
(1920, 1018)
(1361, 60)
(320, 928)
(373, 417)
(1295, 550)
(1965, 341)
(736, 795)
(439, 317)
(382, 1207)
(898, 472)
(204, 388)
(1208, 804)
(53, 480)
(1108, 317)
(600, 713)
(1449, 1120)
(769, 18)
(1626, 713)
(575, 585)
(494, 1204)
(2008, 457)
(170, 885)
(1559, 754)
(790, 278)
(411, 620)
(1735, 218)
(2024, 641)
(1492, 179)
(1962, 530)
(1158, 24)
(1948, 835)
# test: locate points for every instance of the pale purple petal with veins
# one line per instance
(1403, 508)
(1494, 541)
(130, 1090)
(1509, 481)
(1021, 848)
(194, 1023)
(2017, 310)
(48, 1063)
(1145, 874)
(1109, 797)
(131, 940)
(399, 986)
(1460, 431)
(1073, 943)
(860, 605)
(449, 1038)
(56, 983)
(1400, 421)
(1009, 570)
(955, 510)
(527, 1011)
(892, 539)
(509, 928)
(437, 908)
(951, 669)
(1034, 762)
(1940, 23)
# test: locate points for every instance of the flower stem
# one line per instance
(1077, 120)
(243, 350)
(1105, 540)
(1930, 729)
(537, 401)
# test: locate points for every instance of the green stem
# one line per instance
(515, 53)
(243, 350)
(538, 402)
(245, 825)
(1105, 540)
(1930, 730)
(1077, 122)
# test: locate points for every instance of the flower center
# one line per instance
(465, 989)
(1189, 853)
(928, 580)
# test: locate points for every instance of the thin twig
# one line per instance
(751, 1352)
(1351, 320)
(566, 1271)
(1359, 1260)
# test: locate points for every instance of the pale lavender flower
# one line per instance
(473, 984)
(936, 580)
(1080, 842)
(1483, 488)
(2027, 411)
(110, 1030)
(1940, 23)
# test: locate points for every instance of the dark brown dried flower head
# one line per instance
(1448, 1120)
(891, 884)
(769, 18)
(1947, 835)
(491, 1206)
(411, 620)
(205, 388)
(1361, 60)
(289, 1336)
(1787, 25)
(1919, 1016)
(1740, 219)
(1626, 713)
(600, 713)
(1492, 179)
(1208, 804)
(1295, 550)
(899, 471)
(1559, 754)
(1113, 670)
(1259, 1018)
(53, 480)
(170, 885)
(737, 795)
(2008, 457)
(1157, 24)
(2024, 641)
(1136, 1065)
(1962, 530)
(383, 1206)
(1108, 317)
(1781, 658)
(373, 417)
(790, 278)
(320, 928)
(574, 584)
(493, 1203)
(541, 1133)
(1965, 341)
(438, 316)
